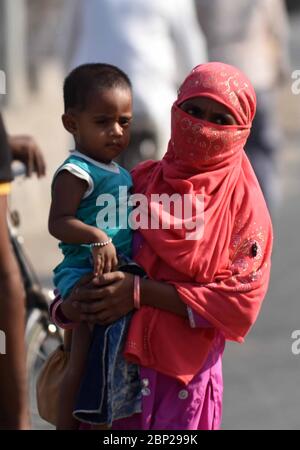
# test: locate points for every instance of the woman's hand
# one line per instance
(67, 306)
(103, 300)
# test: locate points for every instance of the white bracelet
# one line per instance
(101, 244)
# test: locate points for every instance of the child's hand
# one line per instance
(105, 259)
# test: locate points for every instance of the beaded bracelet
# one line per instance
(136, 292)
(101, 244)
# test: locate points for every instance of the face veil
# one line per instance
(198, 145)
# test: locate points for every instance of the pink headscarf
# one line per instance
(223, 274)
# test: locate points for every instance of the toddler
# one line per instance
(85, 191)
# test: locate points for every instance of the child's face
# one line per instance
(210, 110)
(102, 129)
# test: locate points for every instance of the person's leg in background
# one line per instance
(13, 392)
(263, 147)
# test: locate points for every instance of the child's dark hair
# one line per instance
(86, 78)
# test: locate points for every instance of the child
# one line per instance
(98, 113)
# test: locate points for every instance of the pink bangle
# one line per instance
(57, 316)
(136, 292)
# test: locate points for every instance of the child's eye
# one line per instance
(125, 122)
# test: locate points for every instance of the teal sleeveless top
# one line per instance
(104, 205)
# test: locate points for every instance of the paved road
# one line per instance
(262, 376)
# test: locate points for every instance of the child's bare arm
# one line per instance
(68, 191)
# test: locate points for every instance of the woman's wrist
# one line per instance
(69, 312)
(162, 296)
(57, 316)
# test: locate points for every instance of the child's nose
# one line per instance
(116, 130)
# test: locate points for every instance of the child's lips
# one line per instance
(114, 144)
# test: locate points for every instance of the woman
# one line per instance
(202, 290)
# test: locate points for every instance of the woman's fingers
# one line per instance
(92, 307)
(109, 278)
(84, 280)
(98, 288)
(81, 287)
(88, 295)
(93, 292)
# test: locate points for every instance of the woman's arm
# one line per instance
(68, 191)
(231, 305)
(162, 296)
(66, 316)
(104, 300)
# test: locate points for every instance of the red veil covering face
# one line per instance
(223, 273)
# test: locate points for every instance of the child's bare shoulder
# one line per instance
(66, 182)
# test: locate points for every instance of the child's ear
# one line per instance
(69, 122)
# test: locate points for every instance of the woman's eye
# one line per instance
(222, 120)
(196, 112)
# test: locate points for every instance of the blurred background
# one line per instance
(41, 40)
